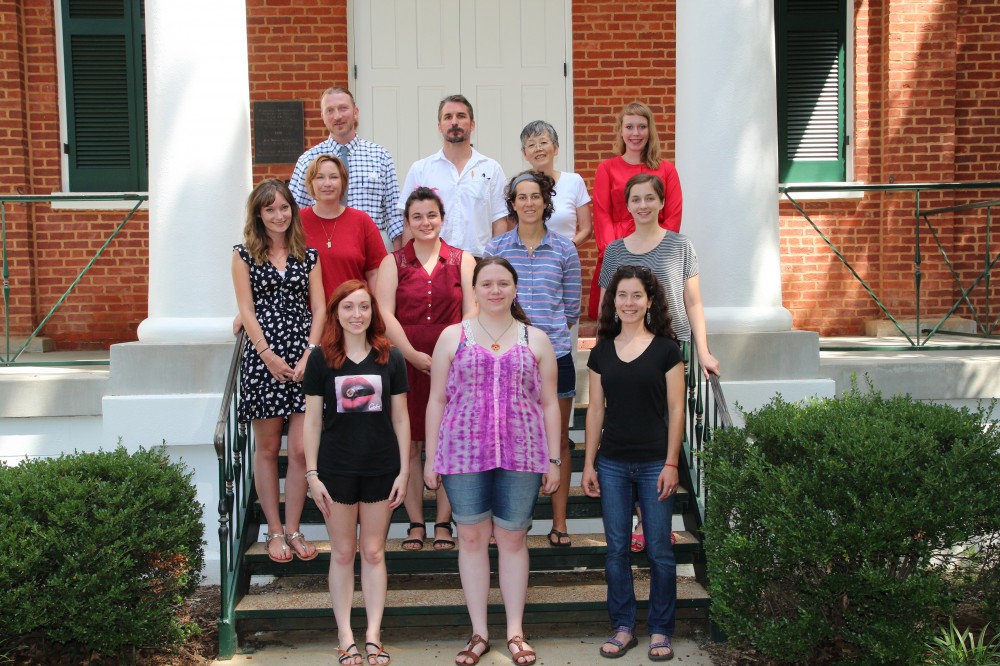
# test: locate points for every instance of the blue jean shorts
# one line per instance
(506, 497)
(566, 369)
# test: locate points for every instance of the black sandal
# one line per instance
(414, 543)
(444, 544)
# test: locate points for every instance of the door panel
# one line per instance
(506, 56)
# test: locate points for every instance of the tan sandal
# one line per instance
(469, 651)
(290, 538)
(521, 652)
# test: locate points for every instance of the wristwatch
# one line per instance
(556, 461)
(311, 346)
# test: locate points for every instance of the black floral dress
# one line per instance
(282, 308)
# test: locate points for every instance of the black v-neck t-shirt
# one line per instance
(635, 398)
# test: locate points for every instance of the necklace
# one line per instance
(329, 236)
(496, 345)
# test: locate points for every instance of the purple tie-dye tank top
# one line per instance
(493, 414)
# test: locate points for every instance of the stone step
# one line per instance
(578, 505)
(52, 392)
(587, 552)
(437, 600)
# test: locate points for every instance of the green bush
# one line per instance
(98, 549)
(830, 523)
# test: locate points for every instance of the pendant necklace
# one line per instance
(496, 345)
(329, 236)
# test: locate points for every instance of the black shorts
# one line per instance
(351, 489)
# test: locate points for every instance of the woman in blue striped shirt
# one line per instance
(548, 269)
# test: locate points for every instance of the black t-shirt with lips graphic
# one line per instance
(358, 438)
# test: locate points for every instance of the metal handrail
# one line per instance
(920, 215)
(234, 448)
(8, 359)
(707, 411)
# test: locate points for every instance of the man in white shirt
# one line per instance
(470, 184)
(371, 181)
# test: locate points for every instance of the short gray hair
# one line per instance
(538, 128)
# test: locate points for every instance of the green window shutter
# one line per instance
(810, 36)
(104, 51)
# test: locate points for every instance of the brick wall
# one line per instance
(621, 52)
(925, 111)
(14, 164)
(977, 134)
(49, 248)
(927, 107)
(297, 50)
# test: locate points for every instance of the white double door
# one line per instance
(509, 57)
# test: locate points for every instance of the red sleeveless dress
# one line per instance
(425, 306)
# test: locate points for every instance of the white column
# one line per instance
(199, 165)
(727, 148)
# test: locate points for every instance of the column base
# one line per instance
(186, 330)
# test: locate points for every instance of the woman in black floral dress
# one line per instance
(279, 291)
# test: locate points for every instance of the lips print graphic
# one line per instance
(360, 393)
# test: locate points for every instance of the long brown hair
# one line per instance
(651, 153)
(659, 323)
(332, 341)
(515, 308)
(255, 238)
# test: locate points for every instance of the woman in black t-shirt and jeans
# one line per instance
(357, 445)
(634, 427)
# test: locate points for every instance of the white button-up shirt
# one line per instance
(473, 199)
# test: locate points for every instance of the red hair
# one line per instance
(332, 342)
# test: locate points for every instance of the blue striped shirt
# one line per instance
(548, 282)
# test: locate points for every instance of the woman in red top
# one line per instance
(638, 148)
(421, 289)
(349, 244)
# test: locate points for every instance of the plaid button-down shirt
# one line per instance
(372, 185)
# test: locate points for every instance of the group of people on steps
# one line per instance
(426, 337)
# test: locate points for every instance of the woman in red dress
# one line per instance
(421, 289)
(638, 149)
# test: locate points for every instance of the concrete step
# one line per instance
(304, 602)
(52, 392)
(933, 372)
(587, 552)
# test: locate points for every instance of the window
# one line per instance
(104, 47)
(811, 61)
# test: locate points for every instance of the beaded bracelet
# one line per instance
(312, 472)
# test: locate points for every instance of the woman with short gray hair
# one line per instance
(572, 217)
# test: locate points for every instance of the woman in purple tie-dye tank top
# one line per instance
(493, 429)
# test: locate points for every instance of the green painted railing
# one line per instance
(707, 412)
(234, 449)
(8, 359)
(985, 325)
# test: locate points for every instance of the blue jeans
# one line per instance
(622, 484)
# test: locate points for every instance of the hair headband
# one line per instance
(520, 178)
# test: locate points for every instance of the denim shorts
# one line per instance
(566, 384)
(506, 497)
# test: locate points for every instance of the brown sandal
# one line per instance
(521, 653)
(469, 652)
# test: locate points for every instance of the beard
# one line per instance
(455, 135)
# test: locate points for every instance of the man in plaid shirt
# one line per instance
(372, 185)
